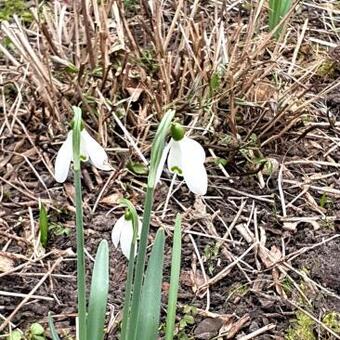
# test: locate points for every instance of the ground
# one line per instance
(260, 252)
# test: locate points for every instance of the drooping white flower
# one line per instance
(186, 158)
(122, 234)
(89, 149)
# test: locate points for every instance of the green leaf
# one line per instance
(189, 319)
(215, 81)
(43, 224)
(277, 10)
(15, 335)
(36, 329)
(98, 294)
(137, 168)
(53, 331)
(174, 279)
(150, 306)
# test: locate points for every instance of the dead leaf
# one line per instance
(263, 92)
(235, 327)
(271, 257)
(111, 199)
(134, 93)
(6, 262)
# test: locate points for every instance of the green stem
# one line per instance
(131, 267)
(80, 258)
(138, 279)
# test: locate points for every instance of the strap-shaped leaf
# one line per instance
(174, 279)
(99, 293)
(150, 306)
(53, 331)
(43, 224)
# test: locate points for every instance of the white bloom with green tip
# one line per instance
(90, 149)
(186, 158)
(122, 234)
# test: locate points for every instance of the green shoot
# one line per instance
(174, 279)
(98, 294)
(277, 10)
(43, 224)
(150, 306)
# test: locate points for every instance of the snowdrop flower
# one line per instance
(122, 233)
(185, 158)
(89, 149)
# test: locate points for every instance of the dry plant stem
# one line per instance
(258, 332)
(28, 296)
(88, 34)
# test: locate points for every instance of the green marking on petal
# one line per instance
(83, 158)
(177, 170)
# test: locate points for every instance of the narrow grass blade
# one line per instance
(98, 294)
(43, 225)
(53, 331)
(174, 279)
(150, 306)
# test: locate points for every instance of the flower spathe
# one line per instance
(122, 234)
(186, 158)
(90, 149)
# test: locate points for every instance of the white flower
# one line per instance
(186, 158)
(122, 233)
(89, 149)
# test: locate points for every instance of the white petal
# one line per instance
(117, 231)
(196, 178)
(162, 162)
(175, 157)
(126, 238)
(95, 151)
(63, 160)
(193, 157)
(192, 151)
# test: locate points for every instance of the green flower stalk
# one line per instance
(156, 156)
(81, 285)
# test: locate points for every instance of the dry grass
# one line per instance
(245, 96)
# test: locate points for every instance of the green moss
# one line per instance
(18, 7)
(332, 320)
(327, 68)
(302, 328)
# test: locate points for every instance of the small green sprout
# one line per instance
(43, 224)
(277, 10)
